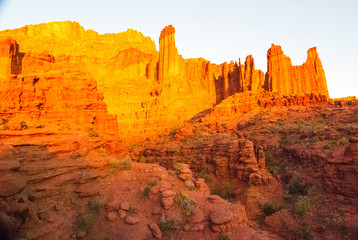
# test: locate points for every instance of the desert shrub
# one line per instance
(338, 222)
(205, 175)
(85, 221)
(93, 133)
(132, 210)
(185, 203)
(268, 209)
(274, 170)
(41, 126)
(126, 164)
(223, 236)
(131, 147)
(190, 185)
(305, 232)
(296, 186)
(114, 163)
(3, 127)
(146, 191)
(94, 206)
(103, 152)
(23, 125)
(151, 183)
(142, 159)
(178, 165)
(302, 206)
(167, 225)
(226, 191)
(344, 141)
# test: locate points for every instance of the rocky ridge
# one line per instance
(145, 90)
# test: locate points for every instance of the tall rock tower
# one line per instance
(168, 54)
(283, 78)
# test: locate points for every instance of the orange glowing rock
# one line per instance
(283, 78)
(58, 74)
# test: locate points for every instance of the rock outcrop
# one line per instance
(341, 173)
(283, 78)
(58, 74)
(168, 64)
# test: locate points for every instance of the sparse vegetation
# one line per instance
(268, 209)
(142, 159)
(103, 152)
(185, 203)
(146, 191)
(168, 225)
(132, 210)
(302, 206)
(296, 186)
(113, 163)
(225, 190)
(190, 185)
(126, 164)
(93, 133)
(275, 166)
(178, 165)
(223, 236)
(94, 206)
(305, 232)
(205, 175)
(85, 221)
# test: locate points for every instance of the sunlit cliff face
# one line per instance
(58, 74)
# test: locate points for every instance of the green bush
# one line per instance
(268, 209)
(85, 221)
(93, 133)
(126, 164)
(103, 152)
(296, 186)
(178, 165)
(146, 191)
(226, 191)
(205, 175)
(185, 203)
(142, 159)
(224, 237)
(132, 210)
(114, 163)
(302, 206)
(305, 232)
(167, 225)
(94, 206)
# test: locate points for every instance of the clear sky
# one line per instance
(220, 30)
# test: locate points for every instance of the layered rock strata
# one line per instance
(58, 72)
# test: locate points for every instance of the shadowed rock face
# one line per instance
(82, 78)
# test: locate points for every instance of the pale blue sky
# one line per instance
(220, 30)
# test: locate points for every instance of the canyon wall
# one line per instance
(58, 74)
(283, 78)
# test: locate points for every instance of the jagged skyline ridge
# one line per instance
(228, 36)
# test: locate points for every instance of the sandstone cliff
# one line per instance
(283, 78)
(57, 71)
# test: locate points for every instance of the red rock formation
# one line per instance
(168, 54)
(53, 98)
(285, 79)
(341, 173)
(148, 91)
